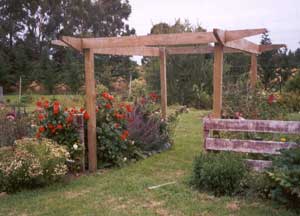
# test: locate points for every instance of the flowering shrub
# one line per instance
(146, 128)
(113, 145)
(32, 163)
(55, 122)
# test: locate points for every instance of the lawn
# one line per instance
(119, 192)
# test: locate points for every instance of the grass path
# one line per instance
(121, 192)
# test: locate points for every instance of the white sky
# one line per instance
(280, 17)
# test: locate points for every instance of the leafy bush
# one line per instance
(293, 85)
(32, 163)
(147, 129)
(240, 99)
(285, 177)
(291, 100)
(138, 88)
(203, 100)
(221, 173)
(113, 146)
(55, 122)
(13, 127)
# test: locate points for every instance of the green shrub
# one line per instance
(293, 85)
(220, 173)
(291, 100)
(32, 163)
(285, 177)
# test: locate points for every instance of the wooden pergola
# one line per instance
(162, 45)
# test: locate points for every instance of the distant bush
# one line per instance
(285, 177)
(32, 163)
(13, 127)
(293, 85)
(291, 100)
(138, 88)
(221, 173)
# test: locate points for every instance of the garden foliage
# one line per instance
(221, 173)
(32, 163)
(285, 177)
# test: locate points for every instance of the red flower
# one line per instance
(107, 96)
(124, 135)
(128, 108)
(46, 104)
(70, 118)
(271, 99)
(81, 110)
(97, 109)
(39, 104)
(41, 117)
(59, 126)
(117, 125)
(153, 96)
(86, 115)
(41, 129)
(55, 109)
(119, 116)
(108, 106)
(38, 135)
(50, 126)
(56, 103)
(53, 130)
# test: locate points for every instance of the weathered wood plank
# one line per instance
(268, 126)
(186, 50)
(150, 40)
(217, 80)
(243, 45)
(91, 108)
(73, 42)
(258, 165)
(163, 81)
(247, 146)
(129, 51)
(231, 35)
(264, 48)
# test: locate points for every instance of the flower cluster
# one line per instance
(33, 162)
(57, 123)
(112, 133)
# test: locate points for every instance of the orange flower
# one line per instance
(86, 115)
(41, 129)
(107, 96)
(124, 135)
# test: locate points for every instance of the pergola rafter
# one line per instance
(160, 46)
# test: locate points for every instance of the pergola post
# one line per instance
(253, 71)
(91, 108)
(217, 80)
(163, 81)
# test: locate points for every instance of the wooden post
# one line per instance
(217, 80)
(91, 108)
(163, 81)
(253, 71)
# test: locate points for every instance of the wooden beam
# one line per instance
(264, 48)
(129, 51)
(150, 40)
(186, 50)
(253, 71)
(220, 36)
(239, 34)
(243, 45)
(59, 43)
(91, 108)
(217, 80)
(163, 81)
(73, 42)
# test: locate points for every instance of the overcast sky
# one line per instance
(280, 17)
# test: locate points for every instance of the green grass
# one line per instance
(121, 192)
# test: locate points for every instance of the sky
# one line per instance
(280, 17)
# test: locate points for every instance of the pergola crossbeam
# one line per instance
(264, 48)
(129, 51)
